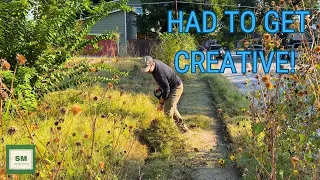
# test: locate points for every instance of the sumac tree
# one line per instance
(48, 33)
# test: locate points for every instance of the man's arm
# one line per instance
(166, 89)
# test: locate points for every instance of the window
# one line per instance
(138, 10)
(215, 47)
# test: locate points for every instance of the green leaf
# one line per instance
(70, 171)
(51, 157)
(8, 106)
(308, 158)
(42, 175)
(50, 162)
(258, 128)
(115, 177)
(302, 137)
(281, 174)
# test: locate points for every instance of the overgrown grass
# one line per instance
(120, 118)
(225, 95)
(199, 121)
(159, 164)
(97, 132)
(231, 106)
(118, 132)
(175, 168)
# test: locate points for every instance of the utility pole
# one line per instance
(176, 11)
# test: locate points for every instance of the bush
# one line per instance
(28, 86)
(170, 44)
(47, 38)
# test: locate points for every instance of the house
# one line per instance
(120, 21)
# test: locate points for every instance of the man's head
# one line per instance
(148, 64)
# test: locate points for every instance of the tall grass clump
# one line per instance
(226, 97)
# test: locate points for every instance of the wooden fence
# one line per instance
(141, 47)
(105, 48)
(135, 48)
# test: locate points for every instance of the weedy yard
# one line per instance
(105, 130)
(96, 118)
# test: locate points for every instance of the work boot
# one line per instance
(183, 128)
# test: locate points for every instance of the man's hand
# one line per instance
(161, 100)
(160, 107)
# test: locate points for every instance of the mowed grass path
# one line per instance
(209, 146)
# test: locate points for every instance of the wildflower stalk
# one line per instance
(30, 135)
(115, 144)
(93, 131)
(273, 122)
(1, 125)
(127, 155)
(2, 133)
(59, 168)
(12, 81)
(273, 152)
(111, 154)
(93, 123)
(316, 169)
(64, 152)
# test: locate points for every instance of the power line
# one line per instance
(225, 5)
(152, 3)
(207, 4)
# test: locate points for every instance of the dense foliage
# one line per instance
(170, 44)
(155, 18)
(277, 137)
(47, 33)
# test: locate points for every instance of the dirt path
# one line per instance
(197, 101)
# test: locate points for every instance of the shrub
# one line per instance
(28, 86)
(47, 34)
(170, 44)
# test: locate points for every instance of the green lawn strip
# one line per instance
(231, 106)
